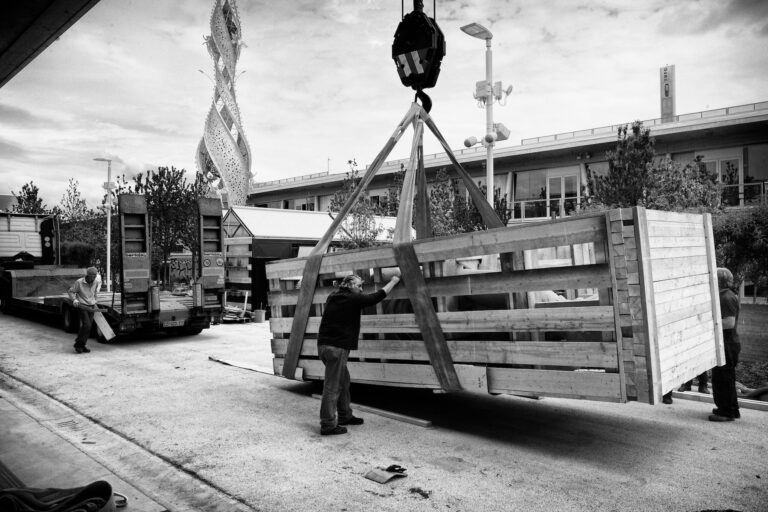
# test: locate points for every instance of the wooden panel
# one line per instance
(555, 233)
(556, 353)
(662, 216)
(586, 276)
(701, 310)
(678, 241)
(595, 318)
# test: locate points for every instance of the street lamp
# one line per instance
(108, 186)
(486, 91)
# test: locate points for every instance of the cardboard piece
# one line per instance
(383, 476)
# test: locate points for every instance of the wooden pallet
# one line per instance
(653, 320)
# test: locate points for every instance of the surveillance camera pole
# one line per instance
(489, 131)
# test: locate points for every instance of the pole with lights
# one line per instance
(486, 92)
(108, 186)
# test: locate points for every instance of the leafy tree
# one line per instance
(741, 243)
(171, 205)
(73, 206)
(359, 228)
(637, 177)
(391, 202)
(27, 201)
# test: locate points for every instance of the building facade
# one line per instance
(546, 176)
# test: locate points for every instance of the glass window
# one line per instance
(530, 185)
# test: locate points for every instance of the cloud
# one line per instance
(11, 150)
(19, 117)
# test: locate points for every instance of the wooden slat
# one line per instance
(680, 282)
(578, 354)
(678, 295)
(677, 241)
(716, 313)
(584, 385)
(583, 276)
(678, 267)
(594, 318)
(426, 317)
(648, 328)
(669, 229)
(658, 253)
(554, 233)
(663, 216)
(611, 255)
(702, 309)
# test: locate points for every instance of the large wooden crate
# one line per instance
(649, 322)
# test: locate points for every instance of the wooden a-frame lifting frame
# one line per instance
(414, 186)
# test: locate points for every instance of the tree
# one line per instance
(171, 204)
(359, 228)
(72, 206)
(637, 177)
(741, 243)
(27, 201)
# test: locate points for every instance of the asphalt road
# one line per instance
(256, 437)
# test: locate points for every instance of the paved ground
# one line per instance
(175, 430)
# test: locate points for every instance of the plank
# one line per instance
(592, 318)
(426, 317)
(658, 253)
(680, 282)
(716, 313)
(648, 328)
(700, 311)
(566, 384)
(667, 229)
(677, 241)
(678, 267)
(560, 232)
(580, 354)
(680, 294)
(664, 216)
(583, 276)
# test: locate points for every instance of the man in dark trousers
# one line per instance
(339, 332)
(83, 293)
(724, 377)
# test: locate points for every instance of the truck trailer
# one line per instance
(33, 280)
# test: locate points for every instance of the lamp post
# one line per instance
(487, 92)
(108, 186)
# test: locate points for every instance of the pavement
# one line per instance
(221, 438)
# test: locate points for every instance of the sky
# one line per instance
(317, 85)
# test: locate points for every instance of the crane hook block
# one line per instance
(418, 49)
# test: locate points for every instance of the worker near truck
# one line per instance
(338, 334)
(83, 295)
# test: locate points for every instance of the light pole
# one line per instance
(108, 186)
(486, 95)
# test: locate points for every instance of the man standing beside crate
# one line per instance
(338, 334)
(724, 377)
(83, 293)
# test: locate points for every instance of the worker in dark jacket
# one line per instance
(724, 377)
(339, 332)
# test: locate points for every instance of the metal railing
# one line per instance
(604, 130)
(753, 194)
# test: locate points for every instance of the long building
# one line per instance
(545, 176)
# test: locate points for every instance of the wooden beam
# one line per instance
(426, 317)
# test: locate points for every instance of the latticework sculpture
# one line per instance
(223, 154)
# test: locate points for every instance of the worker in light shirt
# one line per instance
(83, 293)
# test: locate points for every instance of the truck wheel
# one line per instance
(191, 331)
(70, 320)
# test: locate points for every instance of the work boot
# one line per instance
(79, 350)
(717, 417)
(354, 420)
(667, 399)
(703, 389)
(737, 414)
(333, 431)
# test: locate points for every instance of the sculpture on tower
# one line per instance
(223, 154)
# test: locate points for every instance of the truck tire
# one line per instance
(191, 331)
(70, 321)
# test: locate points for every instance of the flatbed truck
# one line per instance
(40, 287)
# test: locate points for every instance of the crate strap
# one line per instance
(312, 267)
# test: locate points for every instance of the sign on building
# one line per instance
(667, 83)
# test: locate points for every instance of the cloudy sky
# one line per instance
(318, 86)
